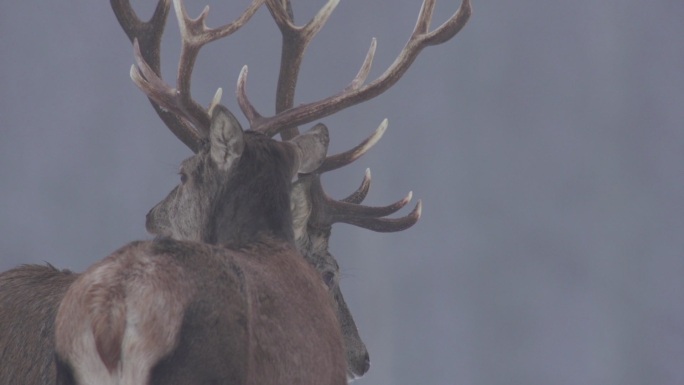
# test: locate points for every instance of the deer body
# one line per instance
(249, 310)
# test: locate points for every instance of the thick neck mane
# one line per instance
(255, 205)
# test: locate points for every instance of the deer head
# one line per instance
(313, 210)
(205, 207)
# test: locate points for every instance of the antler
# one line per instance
(295, 41)
(297, 38)
(149, 36)
(326, 211)
(185, 118)
(350, 211)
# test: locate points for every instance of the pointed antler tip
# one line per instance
(215, 101)
(134, 73)
(383, 125)
(375, 137)
(242, 79)
(419, 209)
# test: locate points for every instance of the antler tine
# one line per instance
(194, 35)
(281, 11)
(195, 31)
(149, 36)
(342, 210)
(451, 27)
(334, 162)
(361, 76)
(357, 92)
(158, 91)
(247, 108)
(389, 225)
(360, 194)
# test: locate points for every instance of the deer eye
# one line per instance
(183, 177)
(329, 278)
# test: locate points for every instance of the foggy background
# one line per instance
(546, 141)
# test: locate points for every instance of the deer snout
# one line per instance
(154, 224)
(358, 366)
(365, 365)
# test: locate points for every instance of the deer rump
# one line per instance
(178, 312)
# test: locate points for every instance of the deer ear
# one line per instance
(311, 148)
(226, 138)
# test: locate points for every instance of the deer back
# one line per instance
(254, 316)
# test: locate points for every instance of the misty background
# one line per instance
(546, 142)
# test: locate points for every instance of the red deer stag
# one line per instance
(333, 213)
(173, 311)
(109, 325)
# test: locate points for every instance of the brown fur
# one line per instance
(128, 282)
(108, 327)
(260, 334)
(29, 298)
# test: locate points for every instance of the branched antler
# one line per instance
(357, 91)
(295, 41)
(195, 34)
(350, 211)
(183, 116)
(326, 211)
(149, 36)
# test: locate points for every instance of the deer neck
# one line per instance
(256, 205)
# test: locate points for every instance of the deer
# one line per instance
(242, 307)
(313, 211)
(333, 212)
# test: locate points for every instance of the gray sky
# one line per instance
(546, 142)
